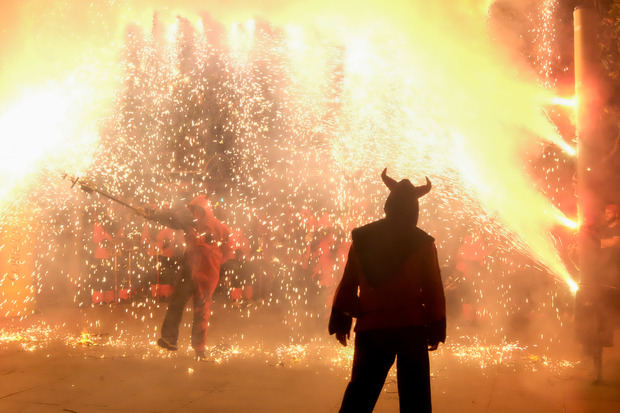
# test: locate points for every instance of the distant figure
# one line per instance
(392, 285)
(207, 241)
(108, 235)
(609, 303)
(610, 245)
(597, 302)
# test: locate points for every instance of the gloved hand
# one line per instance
(432, 346)
(146, 212)
(342, 338)
(85, 186)
(435, 333)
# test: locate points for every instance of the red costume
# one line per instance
(207, 241)
(392, 285)
(207, 247)
(104, 243)
(104, 284)
(323, 270)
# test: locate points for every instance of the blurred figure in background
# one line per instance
(107, 238)
(207, 247)
(610, 244)
(598, 299)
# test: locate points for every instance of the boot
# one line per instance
(162, 342)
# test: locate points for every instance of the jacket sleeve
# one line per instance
(346, 300)
(179, 219)
(435, 301)
(226, 243)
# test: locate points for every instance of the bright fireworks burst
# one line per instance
(286, 128)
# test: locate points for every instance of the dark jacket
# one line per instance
(391, 279)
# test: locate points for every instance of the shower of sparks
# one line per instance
(545, 39)
(286, 128)
(464, 350)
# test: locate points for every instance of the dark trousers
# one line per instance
(185, 288)
(374, 355)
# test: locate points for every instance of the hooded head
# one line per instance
(201, 210)
(402, 203)
(612, 213)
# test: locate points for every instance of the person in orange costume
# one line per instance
(207, 241)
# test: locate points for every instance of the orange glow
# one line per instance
(426, 93)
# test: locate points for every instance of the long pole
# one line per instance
(590, 172)
(87, 187)
(589, 137)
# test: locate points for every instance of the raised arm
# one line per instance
(177, 219)
(611, 242)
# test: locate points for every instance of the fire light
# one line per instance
(171, 35)
(574, 287)
(567, 148)
(567, 102)
(46, 128)
(567, 222)
(307, 116)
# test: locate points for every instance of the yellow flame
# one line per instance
(568, 102)
(574, 287)
(566, 147)
(46, 128)
(567, 222)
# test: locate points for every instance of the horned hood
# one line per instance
(402, 203)
(202, 202)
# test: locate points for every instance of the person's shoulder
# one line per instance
(368, 230)
(368, 227)
(382, 228)
(424, 236)
(223, 229)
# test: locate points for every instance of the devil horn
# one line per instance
(389, 182)
(424, 189)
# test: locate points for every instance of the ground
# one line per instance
(89, 361)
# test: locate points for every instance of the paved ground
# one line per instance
(47, 366)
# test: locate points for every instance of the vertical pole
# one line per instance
(589, 136)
